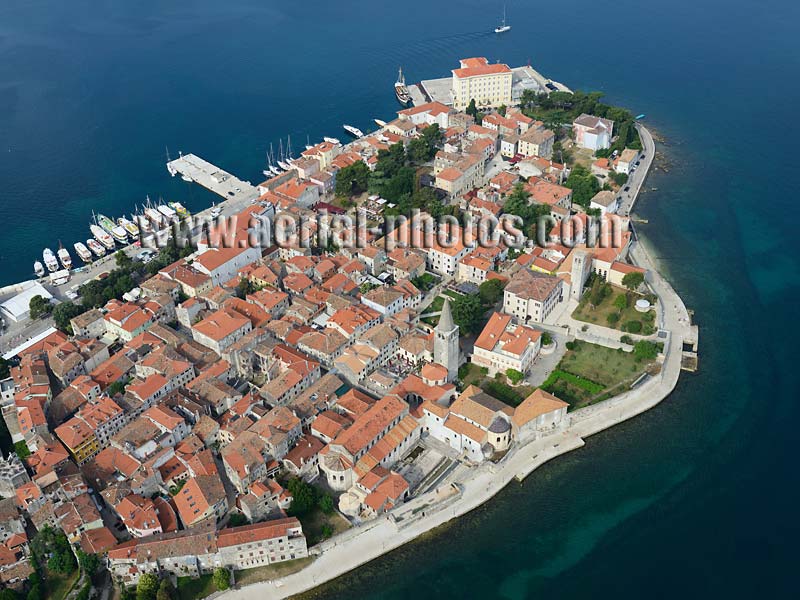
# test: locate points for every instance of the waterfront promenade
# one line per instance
(477, 485)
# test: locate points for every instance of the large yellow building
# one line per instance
(488, 84)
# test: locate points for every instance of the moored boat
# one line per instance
(155, 217)
(400, 89)
(82, 251)
(64, 258)
(379, 122)
(96, 248)
(102, 236)
(179, 209)
(167, 212)
(38, 268)
(50, 260)
(354, 131)
(331, 140)
(130, 227)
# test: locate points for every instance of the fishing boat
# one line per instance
(331, 140)
(82, 251)
(503, 27)
(96, 248)
(102, 236)
(50, 260)
(180, 209)
(130, 227)
(379, 123)
(64, 258)
(167, 212)
(354, 131)
(400, 89)
(38, 268)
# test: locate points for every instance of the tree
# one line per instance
(64, 312)
(514, 376)
(645, 350)
(583, 184)
(165, 590)
(501, 110)
(89, 563)
(5, 368)
(122, 260)
(547, 339)
(221, 578)
(620, 178)
(612, 318)
(621, 302)
(633, 280)
(326, 504)
(39, 307)
(327, 531)
(467, 312)
(245, 287)
(21, 448)
(472, 109)
(304, 497)
(633, 326)
(490, 291)
(8, 594)
(35, 593)
(352, 180)
(147, 588)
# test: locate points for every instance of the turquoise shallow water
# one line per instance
(695, 497)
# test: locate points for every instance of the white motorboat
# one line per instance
(354, 131)
(50, 260)
(379, 123)
(102, 236)
(96, 248)
(82, 251)
(331, 140)
(64, 258)
(38, 268)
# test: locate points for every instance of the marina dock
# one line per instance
(193, 168)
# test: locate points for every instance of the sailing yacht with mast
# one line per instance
(400, 89)
(503, 27)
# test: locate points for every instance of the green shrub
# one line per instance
(633, 326)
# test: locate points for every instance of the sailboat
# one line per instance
(268, 168)
(281, 157)
(503, 27)
(400, 89)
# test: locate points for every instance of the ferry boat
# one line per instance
(102, 236)
(400, 89)
(379, 123)
(143, 223)
(503, 27)
(167, 212)
(130, 227)
(82, 251)
(354, 131)
(332, 140)
(38, 268)
(179, 209)
(96, 248)
(65, 258)
(50, 260)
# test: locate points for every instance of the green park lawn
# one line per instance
(589, 373)
(599, 315)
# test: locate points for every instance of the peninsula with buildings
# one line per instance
(262, 418)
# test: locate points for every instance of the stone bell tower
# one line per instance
(445, 342)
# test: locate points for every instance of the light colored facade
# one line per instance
(488, 84)
(593, 132)
(531, 296)
(503, 345)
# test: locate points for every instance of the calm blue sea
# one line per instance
(697, 497)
